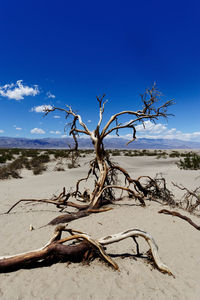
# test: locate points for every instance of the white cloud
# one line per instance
(41, 108)
(160, 131)
(1, 131)
(17, 128)
(37, 131)
(50, 95)
(151, 127)
(193, 136)
(55, 132)
(56, 117)
(89, 121)
(18, 91)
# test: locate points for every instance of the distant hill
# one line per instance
(110, 143)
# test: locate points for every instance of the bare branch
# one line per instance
(150, 111)
(76, 117)
(176, 214)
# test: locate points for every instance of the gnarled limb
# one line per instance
(55, 249)
(135, 233)
(176, 214)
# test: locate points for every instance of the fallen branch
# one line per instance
(54, 250)
(176, 214)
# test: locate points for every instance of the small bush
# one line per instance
(174, 154)
(20, 163)
(39, 169)
(190, 162)
(59, 168)
(9, 172)
(128, 153)
(116, 153)
(2, 159)
(15, 151)
(162, 155)
(72, 165)
(61, 153)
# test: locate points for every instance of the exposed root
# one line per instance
(60, 201)
(66, 218)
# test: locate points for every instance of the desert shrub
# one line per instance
(162, 154)
(128, 153)
(30, 152)
(39, 169)
(44, 158)
(2, 159)
(191, 162)
(9, 172)
(86, 151)
(61, 153)
(19, 163)
(152, 153)
(9, 156)
(37, 160)
(174, 154)
(59, 168)
(71, 166)
(183, 154)
(116, 153)
(15, 151)
(37, 164)
(6, 156)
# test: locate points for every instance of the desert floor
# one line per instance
(178, 241)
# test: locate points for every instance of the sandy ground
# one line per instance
(177, 240)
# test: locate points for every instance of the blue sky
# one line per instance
(67, 52)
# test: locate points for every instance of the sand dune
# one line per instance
(178, 241)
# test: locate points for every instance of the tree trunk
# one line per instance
(103, 169)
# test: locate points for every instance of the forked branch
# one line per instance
(55, 249)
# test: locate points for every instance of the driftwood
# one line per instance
(85, 247)
(176, 214)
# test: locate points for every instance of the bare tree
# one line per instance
(102, 168)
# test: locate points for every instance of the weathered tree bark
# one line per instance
(66, 218)
(55, 249)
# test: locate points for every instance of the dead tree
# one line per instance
(102, 168)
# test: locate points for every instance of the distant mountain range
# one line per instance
(85, 143)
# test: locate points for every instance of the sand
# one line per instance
(178, 241)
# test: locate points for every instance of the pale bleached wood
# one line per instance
(97, 244)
